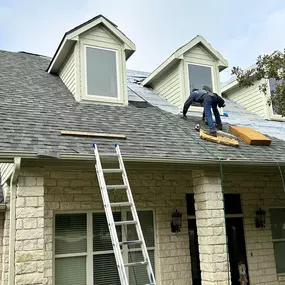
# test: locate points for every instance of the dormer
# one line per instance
(194, 65)
(91, 62)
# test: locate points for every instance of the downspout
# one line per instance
(12, 233)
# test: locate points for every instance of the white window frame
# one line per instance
(277, 240)
(90, 253)
(272, 116)
(96, 97)
(187, 63)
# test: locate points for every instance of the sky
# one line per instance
(239, 30)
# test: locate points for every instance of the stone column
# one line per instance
(211, 228)
(29, 244)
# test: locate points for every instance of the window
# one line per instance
(86, 259)
(272, 85)
(277, 217)
(101, 72)
(199, 77)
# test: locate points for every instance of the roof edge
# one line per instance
(9, 156)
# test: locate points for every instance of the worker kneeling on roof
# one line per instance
(210, 101)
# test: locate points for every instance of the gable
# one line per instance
(199, 55)
(100, 34)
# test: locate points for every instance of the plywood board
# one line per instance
(218, 139)
(91, 134)
(250, 136)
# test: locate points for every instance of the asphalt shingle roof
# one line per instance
(36, 105)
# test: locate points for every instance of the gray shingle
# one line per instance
(35, 106)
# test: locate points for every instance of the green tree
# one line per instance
(269, 67)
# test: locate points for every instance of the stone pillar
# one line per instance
(211, 228)
(29, 244)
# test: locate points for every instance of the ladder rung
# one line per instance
(116, 187)
(125, 223)
(121, 204)
(136, 263)
(111, 170)
(128, 242)
(107, 154)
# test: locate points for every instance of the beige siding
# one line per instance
(198, 55)
(5, 170)
(168, 86)
(101, 35)
(250, 98)
(67, 74)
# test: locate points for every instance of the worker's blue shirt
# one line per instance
(195, 96)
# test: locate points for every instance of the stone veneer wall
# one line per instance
(161, 191)
(258, 191)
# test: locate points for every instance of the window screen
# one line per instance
(272, 84)
(277, 217)
(101, 72)
(199, 77)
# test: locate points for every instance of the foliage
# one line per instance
(269, 67)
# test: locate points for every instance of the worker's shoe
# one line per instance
(213, 134)
(219, 127)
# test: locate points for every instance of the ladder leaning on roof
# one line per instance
(121, 266)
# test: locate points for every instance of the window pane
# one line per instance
(101, 72)
(199, 76)
(138, 274)
(105, 270)
(272, 84)
(146, 221)
(279, 249)
(278, 223)
(101, 235)
(70, 233)
(70, 271)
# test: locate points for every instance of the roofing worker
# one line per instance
(210, 101)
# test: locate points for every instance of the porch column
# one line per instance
(29, 239)
(211, 228)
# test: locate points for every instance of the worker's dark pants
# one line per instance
(211, 102)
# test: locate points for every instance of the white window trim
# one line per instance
(271, 115)
(277, 240)
(196, 108)
(89, 254)
(97, 97)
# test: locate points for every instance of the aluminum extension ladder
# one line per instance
(110, 220)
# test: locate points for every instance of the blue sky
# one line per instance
(239, 30)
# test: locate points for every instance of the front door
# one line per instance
(237, 251)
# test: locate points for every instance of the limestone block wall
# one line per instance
(256, 191)
(161, 191)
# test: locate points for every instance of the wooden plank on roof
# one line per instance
(250, 136)
(91, 134)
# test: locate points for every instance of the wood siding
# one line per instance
(250, 98)
(199, 55)
(67, 74)
(5, 171)
(168, 86)
(100, 36)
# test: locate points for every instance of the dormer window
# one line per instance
(101, 72)
(200, 77)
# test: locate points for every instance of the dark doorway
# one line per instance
(236, 248)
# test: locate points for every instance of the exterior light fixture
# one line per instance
(260, 218)
(176, 222)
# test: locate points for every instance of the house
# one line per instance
(52, 224)
(253, 98)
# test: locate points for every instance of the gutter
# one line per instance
(12, 232)
(9, 157)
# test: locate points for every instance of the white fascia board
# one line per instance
(229, 86)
